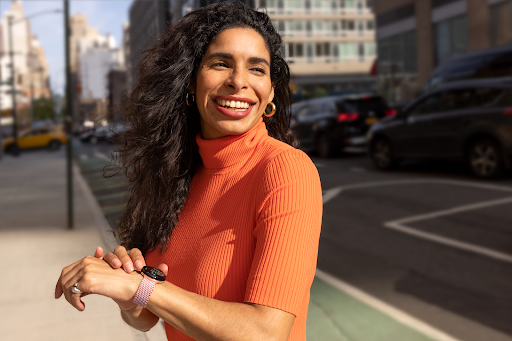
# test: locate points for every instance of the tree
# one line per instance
(43, 109)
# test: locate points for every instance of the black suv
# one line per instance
(328, 124)
(468, 120)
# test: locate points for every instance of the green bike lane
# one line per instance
(337, 311)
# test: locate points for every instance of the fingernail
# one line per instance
(138, 264)
(128, 266)
(116, 262)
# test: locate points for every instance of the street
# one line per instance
(426, 245)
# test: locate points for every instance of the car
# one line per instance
(494, 62)
(51, 137)
(95, 134)
(327, 125)
(468, 121)
(117, 129)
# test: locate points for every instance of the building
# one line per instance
(127, 55)
(93, 56)
(29, 62)
(444, 27)
(329, 45)
(148, 19)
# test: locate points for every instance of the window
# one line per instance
(310, 50)
(500, 23)
(318, 26)
(299, 50)
(318, 49)
(487, 96)
(370, 25)
(280, 4)
(281, 26)
(308, 26)
(350, 4)
(457, 100)
(301, 113)
(350, 25)
(398, 53)
(263, 3)
(308, 4)
(291, 50)
(271, 3)
(429, 105)
(451, 38)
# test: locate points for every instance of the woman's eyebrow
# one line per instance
(230, 56)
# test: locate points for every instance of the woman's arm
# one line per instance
(199, 317)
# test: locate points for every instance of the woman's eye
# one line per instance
(221, 64)
(262, 71)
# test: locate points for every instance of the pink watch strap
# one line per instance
(145, 289)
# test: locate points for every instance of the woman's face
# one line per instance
(233, 84)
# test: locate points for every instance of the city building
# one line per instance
(93, 56)
(444, 27)
(127, 55)
(148, 19)
(329, 45)
(29, 62)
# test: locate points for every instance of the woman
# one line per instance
(219, 201)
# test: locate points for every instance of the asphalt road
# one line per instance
(428, 240)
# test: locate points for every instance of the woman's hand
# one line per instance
(129, 262)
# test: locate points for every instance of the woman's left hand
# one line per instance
(95, 276)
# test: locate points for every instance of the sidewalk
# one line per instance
(36, 246)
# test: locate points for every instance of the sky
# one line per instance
(108, 16)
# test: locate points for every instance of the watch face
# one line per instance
(153, 273)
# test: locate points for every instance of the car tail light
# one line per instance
(346, 117)
(391, 112)
(508, 111)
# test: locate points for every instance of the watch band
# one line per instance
(144, 291)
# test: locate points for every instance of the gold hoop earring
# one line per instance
(273, 110)
(188, 101)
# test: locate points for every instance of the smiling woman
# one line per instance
(224, 214)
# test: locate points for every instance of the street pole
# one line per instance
(15, 150)
(69, 117)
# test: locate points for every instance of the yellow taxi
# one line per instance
(50, 137)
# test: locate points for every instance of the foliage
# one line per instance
(43, 109)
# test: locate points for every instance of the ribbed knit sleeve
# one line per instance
(287, 231)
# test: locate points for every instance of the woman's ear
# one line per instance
(271, 96)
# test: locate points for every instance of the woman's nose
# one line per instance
(238, 79)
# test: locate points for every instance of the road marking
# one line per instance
(385, 308)
(399, 225)
(102, 156)
(319, 165)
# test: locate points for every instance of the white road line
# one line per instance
(319, 165)
(102, 156)
(330, 193)
(385, 308)
(399, 225)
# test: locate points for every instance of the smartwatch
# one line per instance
(150, 277)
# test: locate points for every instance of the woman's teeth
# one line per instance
(233, 104)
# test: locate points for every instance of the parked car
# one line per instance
(116, 129)
(51, 137)
(495, 62)
(469, 121)
(94, 135)
(327, 125)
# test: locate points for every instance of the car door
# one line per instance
(28, 139)
(411, 139)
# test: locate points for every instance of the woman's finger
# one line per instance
(58, 288)
(99, 253)
(125, 259)
(137, 259)
(163, 267)
(112, 260)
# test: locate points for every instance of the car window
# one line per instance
(43, 131)
(487, 96)
(301, 112)
(368, 104)
(429, 105)
(458, 99)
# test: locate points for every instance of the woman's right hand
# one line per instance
(129, 262)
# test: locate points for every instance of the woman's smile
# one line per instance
(235, 107)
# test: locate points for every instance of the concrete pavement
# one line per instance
(36, 246)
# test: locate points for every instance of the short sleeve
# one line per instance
(287, 232)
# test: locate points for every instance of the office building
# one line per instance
(414, 36)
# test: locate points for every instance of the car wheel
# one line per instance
(93, 140)
(382, 155)
(323, 147)
(485, 159)
(54, 145)
(12, 149)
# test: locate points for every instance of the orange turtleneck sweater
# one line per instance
(249, 230)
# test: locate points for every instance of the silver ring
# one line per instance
(74, 289)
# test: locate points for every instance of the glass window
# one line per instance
(281, 25)
(360, 50)
(318, 49)
(308, 4)
(299, 50)
(263, 3)
(457, 100)
(370, 25)
(350, 4)
(370, 49)
(298, 26)
(280, 4)
(335, 50)
(334, 4)
(301, 112)
(291, 50)
(350, 25)
(318, 26)
(327, 49)
(318, 4)
(451, 38)
(398, 53)
(271, 3)
(308, 26)
(429, 105)
(310, 50)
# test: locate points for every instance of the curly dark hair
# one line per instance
(159, 154)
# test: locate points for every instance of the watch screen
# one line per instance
(153, 273)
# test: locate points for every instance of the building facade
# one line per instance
(29, 62)
(444, 27)
(329, 45)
